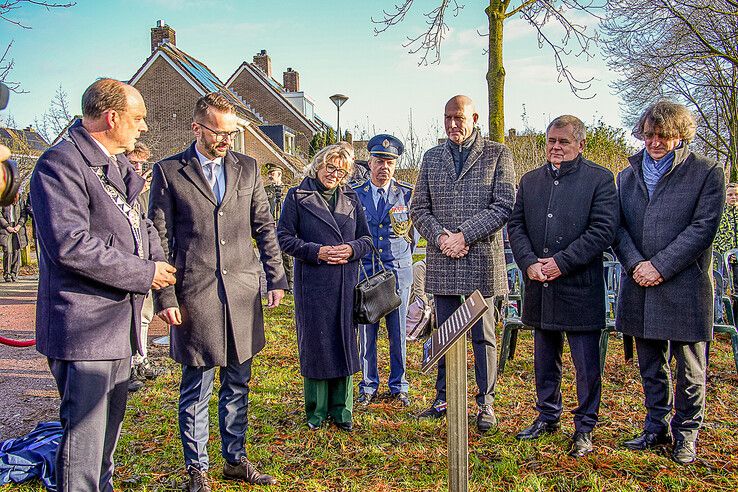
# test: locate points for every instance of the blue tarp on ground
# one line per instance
(32, 456)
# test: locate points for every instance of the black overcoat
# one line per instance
(674, 229)
(211, 246)
(572, 218)
(324, 294)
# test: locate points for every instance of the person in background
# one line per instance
(323, 227)
(13, 236)
(386, 203)
(671, 199)
(727, 235)
(275, 190)
(141, 368)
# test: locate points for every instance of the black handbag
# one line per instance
(376, 296)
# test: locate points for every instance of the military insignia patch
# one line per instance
(401, 223)
(385, 143)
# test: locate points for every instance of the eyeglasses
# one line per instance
(331, 169)
(220, 136)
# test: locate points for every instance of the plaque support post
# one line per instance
(458, 434)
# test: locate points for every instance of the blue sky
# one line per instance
(331, 44)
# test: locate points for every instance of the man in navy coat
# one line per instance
(98, 258)
(565, 216)
(386, 203)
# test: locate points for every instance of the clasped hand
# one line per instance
(646, 275)
(453, 244)
(544, 270)
(335, 255)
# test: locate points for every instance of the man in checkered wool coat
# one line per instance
(463, 198)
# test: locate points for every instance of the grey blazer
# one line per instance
(478, 203)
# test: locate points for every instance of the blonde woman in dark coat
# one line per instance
(323, 226)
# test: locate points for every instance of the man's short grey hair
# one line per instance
(670, 119)
(342, 152)
(580, 131)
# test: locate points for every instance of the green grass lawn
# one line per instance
(391, 450)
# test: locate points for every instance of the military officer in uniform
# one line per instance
(275, 191)
(386, 203)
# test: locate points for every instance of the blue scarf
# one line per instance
(653, 171)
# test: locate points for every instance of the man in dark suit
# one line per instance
(386, 204)
(208, 203)
(13, 237)
(98, 258)
(463, 198)
(565, 216)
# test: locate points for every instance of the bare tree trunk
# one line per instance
(496, 71)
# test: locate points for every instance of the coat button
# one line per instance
(380, 250)
(381, 238)
(556, 182)
(222, 241)
(220, 213)
(224, 271)
(550, 215)
(380, 226)
(545, 284)
(545, 250)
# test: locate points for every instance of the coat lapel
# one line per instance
(344, 209)
(112, 172)
(447, 162)
(133, 182)
(393, 196)
(474, 154)
(232, 175)
(314, 204)
(193, 170)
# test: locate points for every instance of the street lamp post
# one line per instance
(338, 100)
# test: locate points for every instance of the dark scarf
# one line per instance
(329, 195)
(461, 152)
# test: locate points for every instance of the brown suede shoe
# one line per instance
(245, 471)
(198, 480)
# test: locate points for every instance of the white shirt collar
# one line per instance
(102, 147)
(204, 161)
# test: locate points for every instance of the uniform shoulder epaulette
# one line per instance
(356, 186)
(405, 184)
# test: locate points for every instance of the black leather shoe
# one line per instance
(537, 429)
(436, 411)
(581, 444)
(684, 452)
(402, 397)
(365, 399)
(198, 480)
(245, 471)
(345, 426)
(648, 440)
(486, 418)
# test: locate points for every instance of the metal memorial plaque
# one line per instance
(452, 329)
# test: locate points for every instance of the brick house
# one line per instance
(277, 102)
(26, 146)
(171, 81)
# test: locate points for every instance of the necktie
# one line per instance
(381, 202)
(212, 167)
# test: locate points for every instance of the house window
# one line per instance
(289, 143)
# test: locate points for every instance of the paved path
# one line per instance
(28, 394)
